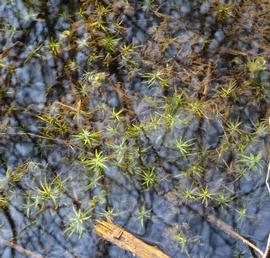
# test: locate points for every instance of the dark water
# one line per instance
(67, 66)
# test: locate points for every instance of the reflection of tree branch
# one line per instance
(229, 230)
(267, 178)
(20, 248)
(267, 249)
(43, 229)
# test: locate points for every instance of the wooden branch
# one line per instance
(20, 248)
(227, 229)
(230, 231)
(125, 240)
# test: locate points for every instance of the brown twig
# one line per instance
(20, 248)
(207, 79)
(127, 241)
(230, 231)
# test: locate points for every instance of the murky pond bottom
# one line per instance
(152, 115)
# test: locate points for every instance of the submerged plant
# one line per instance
(222, 200)
(190, 195)
(149, 178)
(196, 107)
(223, 11)
(94, 181)
(4, 201)
(48, 192)
(109, 41)
(158, 77)
(120, 150)
(252, 160)
(116, 114)
(240, 173)
(44, 193)
(132, 104)
(205, 195)
(88, 138)
(182, 239)
(55, 125)
(11, 177)
(192, 171)
(260, 128)
(144, 214)
(100, 198)
(242, 213)
(183, 146)
(99, 24)
(94, 78)
(225, 92)
(256, 65)
(109, 214)
(127, 51)
(234, 127)
(54, 46)
(76, 223)
(98, 162)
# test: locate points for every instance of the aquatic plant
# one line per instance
(157, 77)
(98, 162)
(183, 146)
(76, 223)
(149, 178)
(88, 138)
(143, 215)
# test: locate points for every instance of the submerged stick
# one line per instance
(125, 240)
(20, 248)
(230, 231)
